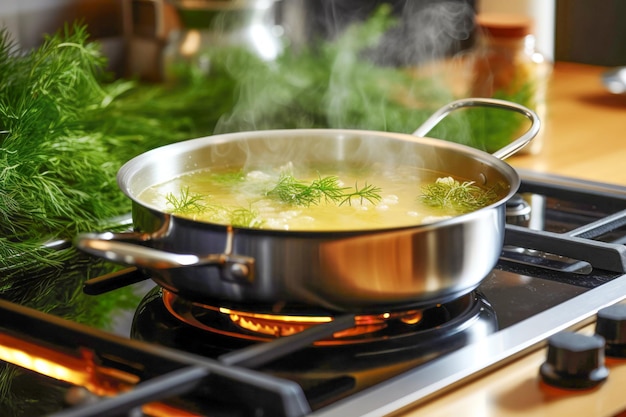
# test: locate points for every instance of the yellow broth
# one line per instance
(243, 199)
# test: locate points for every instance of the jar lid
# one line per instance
(504, 25)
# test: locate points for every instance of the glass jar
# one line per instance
(506, 65)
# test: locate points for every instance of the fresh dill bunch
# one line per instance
(324, 189)
(462, 197)
(45, 93)
(56, 177)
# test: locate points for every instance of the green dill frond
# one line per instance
(368, 192)
(194, 204)
(324, 189)
(293, 191)
(228, 178)
(329, 188)
(56, 178)
(448, 193)
(245, 217)
(186, 203)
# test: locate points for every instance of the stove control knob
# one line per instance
(574, 361)
(611, 325)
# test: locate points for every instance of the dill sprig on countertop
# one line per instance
(65, 130)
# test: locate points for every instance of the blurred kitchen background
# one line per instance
(134, 32)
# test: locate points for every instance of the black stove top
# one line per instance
(564, 259)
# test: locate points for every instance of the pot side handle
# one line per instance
(502, 153)
(111, 247)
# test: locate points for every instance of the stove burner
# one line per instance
(378, 347)
(267, 324)
(517, 210)
(166, 318)
(328, 368)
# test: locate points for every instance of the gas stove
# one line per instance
(564, 259)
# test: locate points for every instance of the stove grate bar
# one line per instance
(603, 255)
(573, 189)
(178, 382)
(601, 226)
(259, 393)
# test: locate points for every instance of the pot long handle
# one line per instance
(109, 246)
(502, 153)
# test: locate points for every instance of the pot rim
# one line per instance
(131, 168)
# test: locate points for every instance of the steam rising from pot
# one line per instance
(428, 30)
(351, 73)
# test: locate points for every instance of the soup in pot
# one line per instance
(304, 199)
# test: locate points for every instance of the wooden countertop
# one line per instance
(516, 390)
(584, 130)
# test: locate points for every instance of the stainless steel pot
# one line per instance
(370, 270)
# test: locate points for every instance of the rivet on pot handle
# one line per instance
(507, 150)
(234, 267)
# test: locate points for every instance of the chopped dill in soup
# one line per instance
(317, 200)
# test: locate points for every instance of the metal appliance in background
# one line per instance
(564, 260)
(615, 80)
(161, 32)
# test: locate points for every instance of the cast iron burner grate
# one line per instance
(329, 368)
(129, 375)
(163, 372)
(583, 221)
